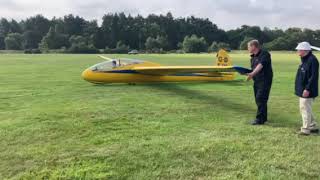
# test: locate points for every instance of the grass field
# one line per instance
(54, 125)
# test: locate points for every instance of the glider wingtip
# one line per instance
(242, 70)
(315, 48)
(103, 57)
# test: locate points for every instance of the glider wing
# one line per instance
(172, 70)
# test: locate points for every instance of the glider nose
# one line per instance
(86, 74)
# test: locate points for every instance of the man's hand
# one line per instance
(250, 76)
(306, 94)
(254, 72)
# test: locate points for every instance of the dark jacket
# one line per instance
(265, 76)
(307, 76)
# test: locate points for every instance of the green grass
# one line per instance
(54, 125)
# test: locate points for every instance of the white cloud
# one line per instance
(226, 13)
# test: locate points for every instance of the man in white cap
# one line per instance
(306, 87)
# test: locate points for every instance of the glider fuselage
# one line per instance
(132, 76)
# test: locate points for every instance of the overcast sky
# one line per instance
(227, 14)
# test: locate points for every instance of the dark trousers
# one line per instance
(261, 94)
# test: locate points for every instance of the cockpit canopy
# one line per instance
(115, 63)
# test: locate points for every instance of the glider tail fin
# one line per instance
(223, 59)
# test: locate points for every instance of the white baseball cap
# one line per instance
(305, 46)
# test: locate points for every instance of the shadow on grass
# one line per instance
(277, 119)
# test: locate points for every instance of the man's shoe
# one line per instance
(256, 123)
(316, 131)
(303, 133)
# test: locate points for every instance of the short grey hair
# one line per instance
(254, 43)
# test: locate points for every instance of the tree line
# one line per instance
(119, 33)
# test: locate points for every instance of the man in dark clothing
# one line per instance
(262, 75)
(306, 87)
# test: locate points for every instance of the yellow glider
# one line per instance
(137, 71)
